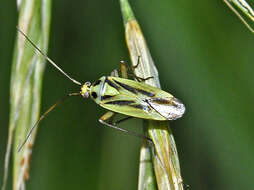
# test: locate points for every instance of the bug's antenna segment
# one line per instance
(47, 58)
(43, 115)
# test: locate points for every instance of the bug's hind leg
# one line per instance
(124, 71)
(109, 116)
(122, 120)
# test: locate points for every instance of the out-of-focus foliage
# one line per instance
(204, 56)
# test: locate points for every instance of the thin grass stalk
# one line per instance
(245, 11)
(26, 83)
(164, 158)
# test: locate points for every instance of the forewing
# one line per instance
(128, 98)
(140, 100)
(132, 106)
(171, 109)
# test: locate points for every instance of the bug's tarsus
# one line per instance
(140, 79)
(138, 62)
(107, 117)
(126, 131)
(43, 116)
(47, 58)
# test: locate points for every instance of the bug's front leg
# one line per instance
(108, 116)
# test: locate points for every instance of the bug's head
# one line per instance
(85, 89)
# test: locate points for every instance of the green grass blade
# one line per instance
(165, 160)
(26, 82)
(245, 11)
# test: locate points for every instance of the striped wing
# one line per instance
(139, 100)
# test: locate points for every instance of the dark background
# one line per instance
(204, 56)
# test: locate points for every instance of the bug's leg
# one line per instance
(124, 68)
(121, 120)
(138, 62)
(110, 114)
(124, 71)
(150, 142)
(115, 73)
(140, 79)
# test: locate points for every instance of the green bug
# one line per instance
(133, 98)
(124, 96)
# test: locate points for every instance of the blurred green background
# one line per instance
(204, 56)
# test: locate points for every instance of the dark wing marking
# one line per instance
(106, 97)
(134, 90)
(111, 84)
(161, 101)
(126, 87)
(142, 107)
(121, 102)
(97, 82)
(149, 94)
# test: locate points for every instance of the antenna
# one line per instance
(47, 58)
(43, 116)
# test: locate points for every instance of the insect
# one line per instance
(122, 95)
